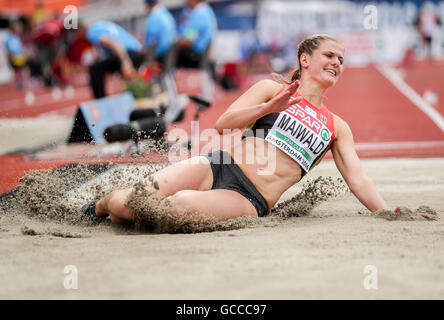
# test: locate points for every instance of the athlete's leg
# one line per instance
(220, 204)
(191, 174)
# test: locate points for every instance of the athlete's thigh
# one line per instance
(219, 203)
(190, 174)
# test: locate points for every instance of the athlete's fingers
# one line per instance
(427, 216)
(282, 98)
(294, 86)
(290, 90)
(282, 101)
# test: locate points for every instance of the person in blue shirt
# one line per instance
(160, 34)
(14, 51)
(159, 48)
(121, 52)
(197, 34)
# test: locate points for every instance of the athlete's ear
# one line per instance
(304, 60)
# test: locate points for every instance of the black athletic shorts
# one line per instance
(227, 175)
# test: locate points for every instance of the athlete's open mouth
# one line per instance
(331, 71)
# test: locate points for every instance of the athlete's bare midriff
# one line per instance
(270, 170)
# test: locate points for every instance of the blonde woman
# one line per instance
(290, 132)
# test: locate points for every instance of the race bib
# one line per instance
(300, 135)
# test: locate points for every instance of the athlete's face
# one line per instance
(325, 65)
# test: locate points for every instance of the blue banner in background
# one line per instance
(102, 113)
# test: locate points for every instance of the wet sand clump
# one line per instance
(314, 192)
(406, 214)
(29, 231)
(58, 195)
(43, 194)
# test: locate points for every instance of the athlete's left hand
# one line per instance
(427, 216)
(282, 101)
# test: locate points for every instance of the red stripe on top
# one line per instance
(320, 111)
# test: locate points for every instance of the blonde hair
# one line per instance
(308, 45)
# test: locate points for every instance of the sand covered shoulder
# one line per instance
(322, 255)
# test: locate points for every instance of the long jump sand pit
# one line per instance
(335, 251)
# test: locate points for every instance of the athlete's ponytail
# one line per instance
(308, 45)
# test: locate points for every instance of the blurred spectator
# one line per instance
(120, 52)
(79, 47)
(250, 46)
(427, 23)
(38, 15)
(230, 79)
(197, 34)
(254, 53)
(160, 35)
(48, 39)
(182, 18)
(14, 50)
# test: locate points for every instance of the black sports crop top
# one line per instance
(261, 126)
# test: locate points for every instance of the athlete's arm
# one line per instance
(349, 166)
(116, 47)
(259, 100)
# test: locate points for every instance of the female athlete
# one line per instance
(290, 130)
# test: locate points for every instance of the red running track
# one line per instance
(385, 123)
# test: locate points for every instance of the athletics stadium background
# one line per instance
(391, 93)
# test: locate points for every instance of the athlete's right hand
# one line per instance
(282, 101)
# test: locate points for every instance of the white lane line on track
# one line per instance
(57, 112)
(397, 81)
(83, 188)
(398, 145)
(40, 100)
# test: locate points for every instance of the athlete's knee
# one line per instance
(180, 202)
(116, 204)
(180, 197)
